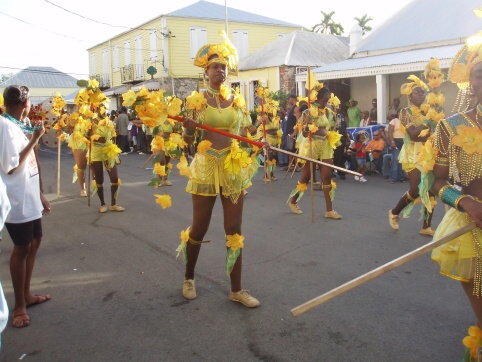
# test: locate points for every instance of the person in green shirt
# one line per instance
(354, 113)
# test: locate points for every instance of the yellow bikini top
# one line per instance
(221, 118)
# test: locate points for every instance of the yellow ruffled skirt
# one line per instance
(209, 177)
(322, 149)
(409, 154)
(456, 258)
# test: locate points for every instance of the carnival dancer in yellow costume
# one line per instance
(171, 149)
(79, 143)
(319, 120)
(220, 166)
(414, 120)
(269, 121)
(103, 152)
(458, 140)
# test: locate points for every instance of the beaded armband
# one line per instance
(442, 161)
(189, 132)
(451, 196)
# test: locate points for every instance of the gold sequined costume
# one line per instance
(456, 258)
(410, 151)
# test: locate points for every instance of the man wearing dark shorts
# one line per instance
(291, 127)
(20, 172)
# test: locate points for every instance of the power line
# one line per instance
(100, 22)
(26, 22)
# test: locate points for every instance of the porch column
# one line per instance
(382, 86)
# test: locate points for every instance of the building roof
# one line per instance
(424, 21)
(207, 10)
(299, 48)
(41, 77)
(388, 63)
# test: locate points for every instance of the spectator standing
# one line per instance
(121, 124)
(365, 121)
(354, 113)
(282, 157)
(291, 130)
(395, 139)
(373, 113)
(21, 173)
(393, 109)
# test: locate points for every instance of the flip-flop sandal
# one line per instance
(40, 299)
(25, 320)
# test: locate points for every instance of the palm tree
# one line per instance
(327, 25)
(363, 23)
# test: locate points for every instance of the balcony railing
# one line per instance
(103, 80)
(132, 73)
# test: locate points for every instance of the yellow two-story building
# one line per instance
(159, 53)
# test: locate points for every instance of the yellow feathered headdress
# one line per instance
(225, 51)
(464, 61)
(407, 88)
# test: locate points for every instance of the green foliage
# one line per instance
(327, 25)
(363, 21)
(280, 96)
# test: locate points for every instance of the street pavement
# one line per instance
(116, 284)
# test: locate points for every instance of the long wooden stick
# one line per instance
(311, 182)
(381, 270)
(89, 192)
(261, 144)
(59, 144)
(145, 163)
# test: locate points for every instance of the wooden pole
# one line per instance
(311, 182)
(90, 169)
(261, 144)
(59, 144)
(381, 270)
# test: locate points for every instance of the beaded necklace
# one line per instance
(479, 112)
(25, 128)
(214, 94)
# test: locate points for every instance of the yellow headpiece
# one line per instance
(226, 53)
(407, 88)
(464, 61)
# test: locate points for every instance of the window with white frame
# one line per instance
(115, 55)
(105, 62)
(92, 64)
(153, 44)
(127, 52)
(199, 37)
(240, 42)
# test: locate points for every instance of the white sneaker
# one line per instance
(124, 153)
(363, 179)
(357, 178)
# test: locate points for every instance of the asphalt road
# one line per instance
(116, 284)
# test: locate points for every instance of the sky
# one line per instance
(48, 33)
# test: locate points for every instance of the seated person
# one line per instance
(376, 147)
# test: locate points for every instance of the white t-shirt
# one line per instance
(23, 185)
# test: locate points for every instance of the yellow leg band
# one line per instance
(195, 242)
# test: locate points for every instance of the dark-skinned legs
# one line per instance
(410, 195)
(81, 162)
(475, 302)
(98, 171)
(22, 262)
(202, 211)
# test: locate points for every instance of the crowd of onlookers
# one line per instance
(132, 134)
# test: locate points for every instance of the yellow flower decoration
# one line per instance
(111, 151)
(333, 138)
(239, 101)
(158, 143)
(473, 341)
(225, 92)
(164, 200)
(184, 239)
(183, 167)
(301, 187)
(203, 146)
(235, 241)
(427, 156)
(313, 111)
(160, 170)
(237, 159)
(271, 162)
(173, 106)
(469, 139)
(334, 101)
(196, 101)
(312, 128)
(58, 103)
(177, 139)
(129, 98)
